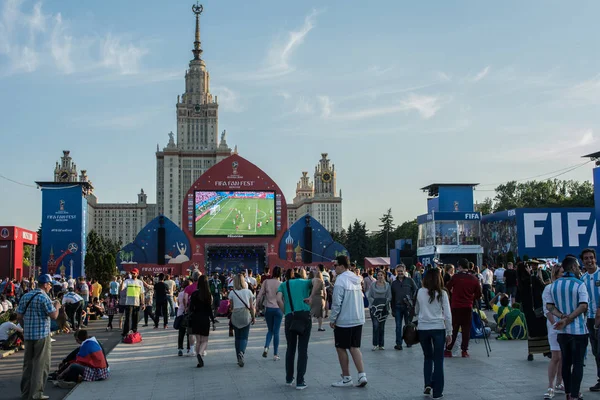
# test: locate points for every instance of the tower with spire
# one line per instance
(197, 145)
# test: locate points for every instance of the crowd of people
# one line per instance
(553, 307)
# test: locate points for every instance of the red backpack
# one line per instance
(132, 337)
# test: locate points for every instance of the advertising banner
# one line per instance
(555, 232)
(63, 230)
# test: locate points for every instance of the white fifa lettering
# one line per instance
(574, 228)
(556, 219)
(531, 231)
(593, 236)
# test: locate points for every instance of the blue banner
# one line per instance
(555, 232)
(63, 230)
(597, 195)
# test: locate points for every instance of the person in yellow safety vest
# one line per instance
(135, 299)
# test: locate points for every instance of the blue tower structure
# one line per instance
(451, 229)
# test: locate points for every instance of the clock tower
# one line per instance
(324, 177)
(66, 170)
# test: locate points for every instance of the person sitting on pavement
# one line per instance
(89, 364)
(11, 334)
(5, 305)
(501, 310)
(515, 324)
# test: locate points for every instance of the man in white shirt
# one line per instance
(487, 279)
(251, 281)
(10, 331)
(499, 275)
(73, 304)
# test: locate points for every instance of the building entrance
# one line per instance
(225, 258)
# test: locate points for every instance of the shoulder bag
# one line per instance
(410, 333)
(299, 323)
(241, 317)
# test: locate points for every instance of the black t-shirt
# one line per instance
(160, 291)
(510, 277)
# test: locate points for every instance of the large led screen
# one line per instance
(234, 213)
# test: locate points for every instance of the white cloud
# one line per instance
(30, 39)
(228, 99)
(304, 106)
(326, 106)
(586, 92)
(427, 106)
(285, 95)
(379, 71)
(60, 46)
(482, 74)
(442, 76)
(280, 54)
(124, 57)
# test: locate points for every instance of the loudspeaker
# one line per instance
(307, 251)
(161, 246)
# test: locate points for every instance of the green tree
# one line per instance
(407, 230)
(547, 193)
(100, 258)
(487, 206)
(384, 240)
(340, 237)
(358, 241)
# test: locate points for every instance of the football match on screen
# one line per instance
(234, 213)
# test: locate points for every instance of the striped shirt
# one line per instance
(592, 284)
(567, 293)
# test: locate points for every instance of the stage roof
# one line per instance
(592, 155)
(377, 261)
(434, 189)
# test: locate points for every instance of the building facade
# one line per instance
(319, 198)
(197, 146)
(116, 221)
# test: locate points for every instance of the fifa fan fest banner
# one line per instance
(597, 196)
(64, 212)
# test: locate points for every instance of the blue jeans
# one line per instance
(171, 305)
(241, 339)
(273, 316)
(378, 332)
(433, 343)
(401, 313)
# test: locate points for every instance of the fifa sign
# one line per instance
(557, 229)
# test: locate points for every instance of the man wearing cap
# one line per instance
(73, 304)
(34, 312)
(134, 289)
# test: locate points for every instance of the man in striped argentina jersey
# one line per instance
(569, 304)
(591, 279)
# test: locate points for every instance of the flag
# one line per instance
(91, 354)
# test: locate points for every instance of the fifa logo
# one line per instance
(61, 205)
(234, 166)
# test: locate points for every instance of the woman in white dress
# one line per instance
(554, 367)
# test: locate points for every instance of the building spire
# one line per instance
(197, 9)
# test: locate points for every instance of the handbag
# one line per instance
(410, 333)
(132, 338)
(178, 321)
(299, 323)
(241, 317)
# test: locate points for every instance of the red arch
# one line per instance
(233, 173)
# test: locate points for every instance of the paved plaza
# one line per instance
(152, 370)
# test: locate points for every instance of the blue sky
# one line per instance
(400, 94)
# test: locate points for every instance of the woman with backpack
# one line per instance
(379, 297)
(435, 330)
(242, 315)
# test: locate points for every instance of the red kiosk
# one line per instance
(12, 239)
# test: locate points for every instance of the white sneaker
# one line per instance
(375, 348)
(344, 382)
(362, 379)
(204, 353)
(549, 394)
(52, 340)
(192, 351)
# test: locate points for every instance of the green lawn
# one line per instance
(251, 210)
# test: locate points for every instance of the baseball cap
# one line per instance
(135, 271)
(44, 279)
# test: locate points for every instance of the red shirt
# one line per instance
(465, 289)
(9, 289)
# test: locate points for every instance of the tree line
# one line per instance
(361, 243)
(539, 194)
